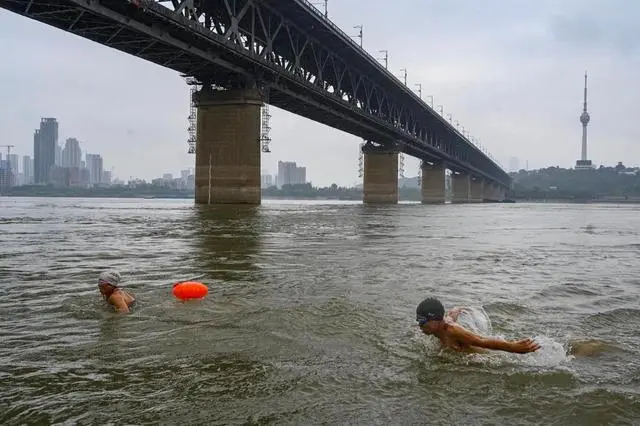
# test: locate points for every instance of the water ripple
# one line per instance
(309, 317)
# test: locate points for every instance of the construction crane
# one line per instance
(8, 149)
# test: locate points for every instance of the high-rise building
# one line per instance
(27, 170)
(45, 141)
(58, 158)
(301, 175)
(514, 164)
(14, 163)
(290, 174)
(285, 170)
(71, 154)
(266, 181)
(6, 176)
(106, 177)
(94, 164)
(583, 163)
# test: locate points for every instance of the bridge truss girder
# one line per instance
(316, 71)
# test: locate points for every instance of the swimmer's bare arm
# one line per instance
(118, 301)
(515, 346)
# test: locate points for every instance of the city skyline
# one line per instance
(53, 163)
(74, 157)
(514, 87)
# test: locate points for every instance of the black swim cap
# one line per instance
(430, 309)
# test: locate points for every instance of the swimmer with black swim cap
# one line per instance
(433, 320)
(108, 282)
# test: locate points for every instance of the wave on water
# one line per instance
(25, 220)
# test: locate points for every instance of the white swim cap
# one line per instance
(110, 277)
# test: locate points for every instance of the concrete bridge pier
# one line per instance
(380, 185)
(228, 146)
(460, 187)
(477, 190)
(495, 192)
(491, 191)
(432, 185)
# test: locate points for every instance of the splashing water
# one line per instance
(476, 320)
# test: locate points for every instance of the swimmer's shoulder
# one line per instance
(122, 294)
(122, 301)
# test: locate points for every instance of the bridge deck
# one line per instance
(310, 67)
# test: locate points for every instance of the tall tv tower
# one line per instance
(583, 163)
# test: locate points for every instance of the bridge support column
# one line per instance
(380, 185)
(477, 190)
(488, 191)
(228, 146)
(491, 192)
(460, 188)
(432, 184)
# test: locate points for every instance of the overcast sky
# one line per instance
(510, 71)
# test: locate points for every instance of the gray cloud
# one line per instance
(593, 32)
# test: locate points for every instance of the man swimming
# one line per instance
(431, 318)
(108, 284)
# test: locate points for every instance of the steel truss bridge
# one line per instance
(302, 62)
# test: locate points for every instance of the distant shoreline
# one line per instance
(578, 201)
(321, 198)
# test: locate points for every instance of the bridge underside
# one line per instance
(292, 56)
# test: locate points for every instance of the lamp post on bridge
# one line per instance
(441, 110)
(430, 100)
(419, 89)
(405, 75)
(359, 34)
(325, 7)
(386, 58)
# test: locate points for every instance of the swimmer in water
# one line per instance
(108, 284)
(432, 320)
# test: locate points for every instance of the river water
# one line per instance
(310, 317)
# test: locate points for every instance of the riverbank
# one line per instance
(173, 195)
(602, 200)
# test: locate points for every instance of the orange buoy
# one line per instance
(190, 290)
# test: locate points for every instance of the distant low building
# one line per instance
(64, 177)
(266, 181)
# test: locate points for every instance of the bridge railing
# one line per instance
(377, 64)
